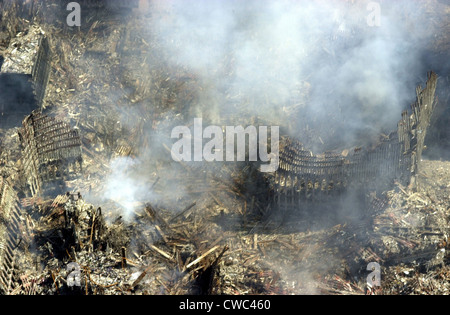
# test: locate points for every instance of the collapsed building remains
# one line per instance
(10, 234)
(202, 238)
(51, 152)
(41, 71)
(303, 176)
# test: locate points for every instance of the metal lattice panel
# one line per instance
(304, 176)
(10, 233)
(41, 71)
(51, 151)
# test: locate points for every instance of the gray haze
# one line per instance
(265, 57)
(316, 68)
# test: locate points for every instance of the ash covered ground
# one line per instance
(134, 221)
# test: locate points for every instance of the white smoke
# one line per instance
(256, 57)
(124, 187)
(261, 52)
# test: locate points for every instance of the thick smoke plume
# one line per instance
(264, 57)
(321, 70)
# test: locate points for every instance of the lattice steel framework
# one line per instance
(51, 151)
(11, 230)
(303, 176)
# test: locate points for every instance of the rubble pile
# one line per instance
(72, 220)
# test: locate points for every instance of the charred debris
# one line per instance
(235, 230)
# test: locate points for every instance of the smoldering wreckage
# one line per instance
(90, 202)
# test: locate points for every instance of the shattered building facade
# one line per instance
(41, 70)
(304, 176)
(11, 231)
(51, 152)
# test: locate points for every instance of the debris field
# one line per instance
(91, 202)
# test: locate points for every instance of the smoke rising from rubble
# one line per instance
(313, 65)
(260, 56)
(122, 187)
(306, 65)
(130, 188)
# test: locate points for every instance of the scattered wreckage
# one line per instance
(229, 239)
